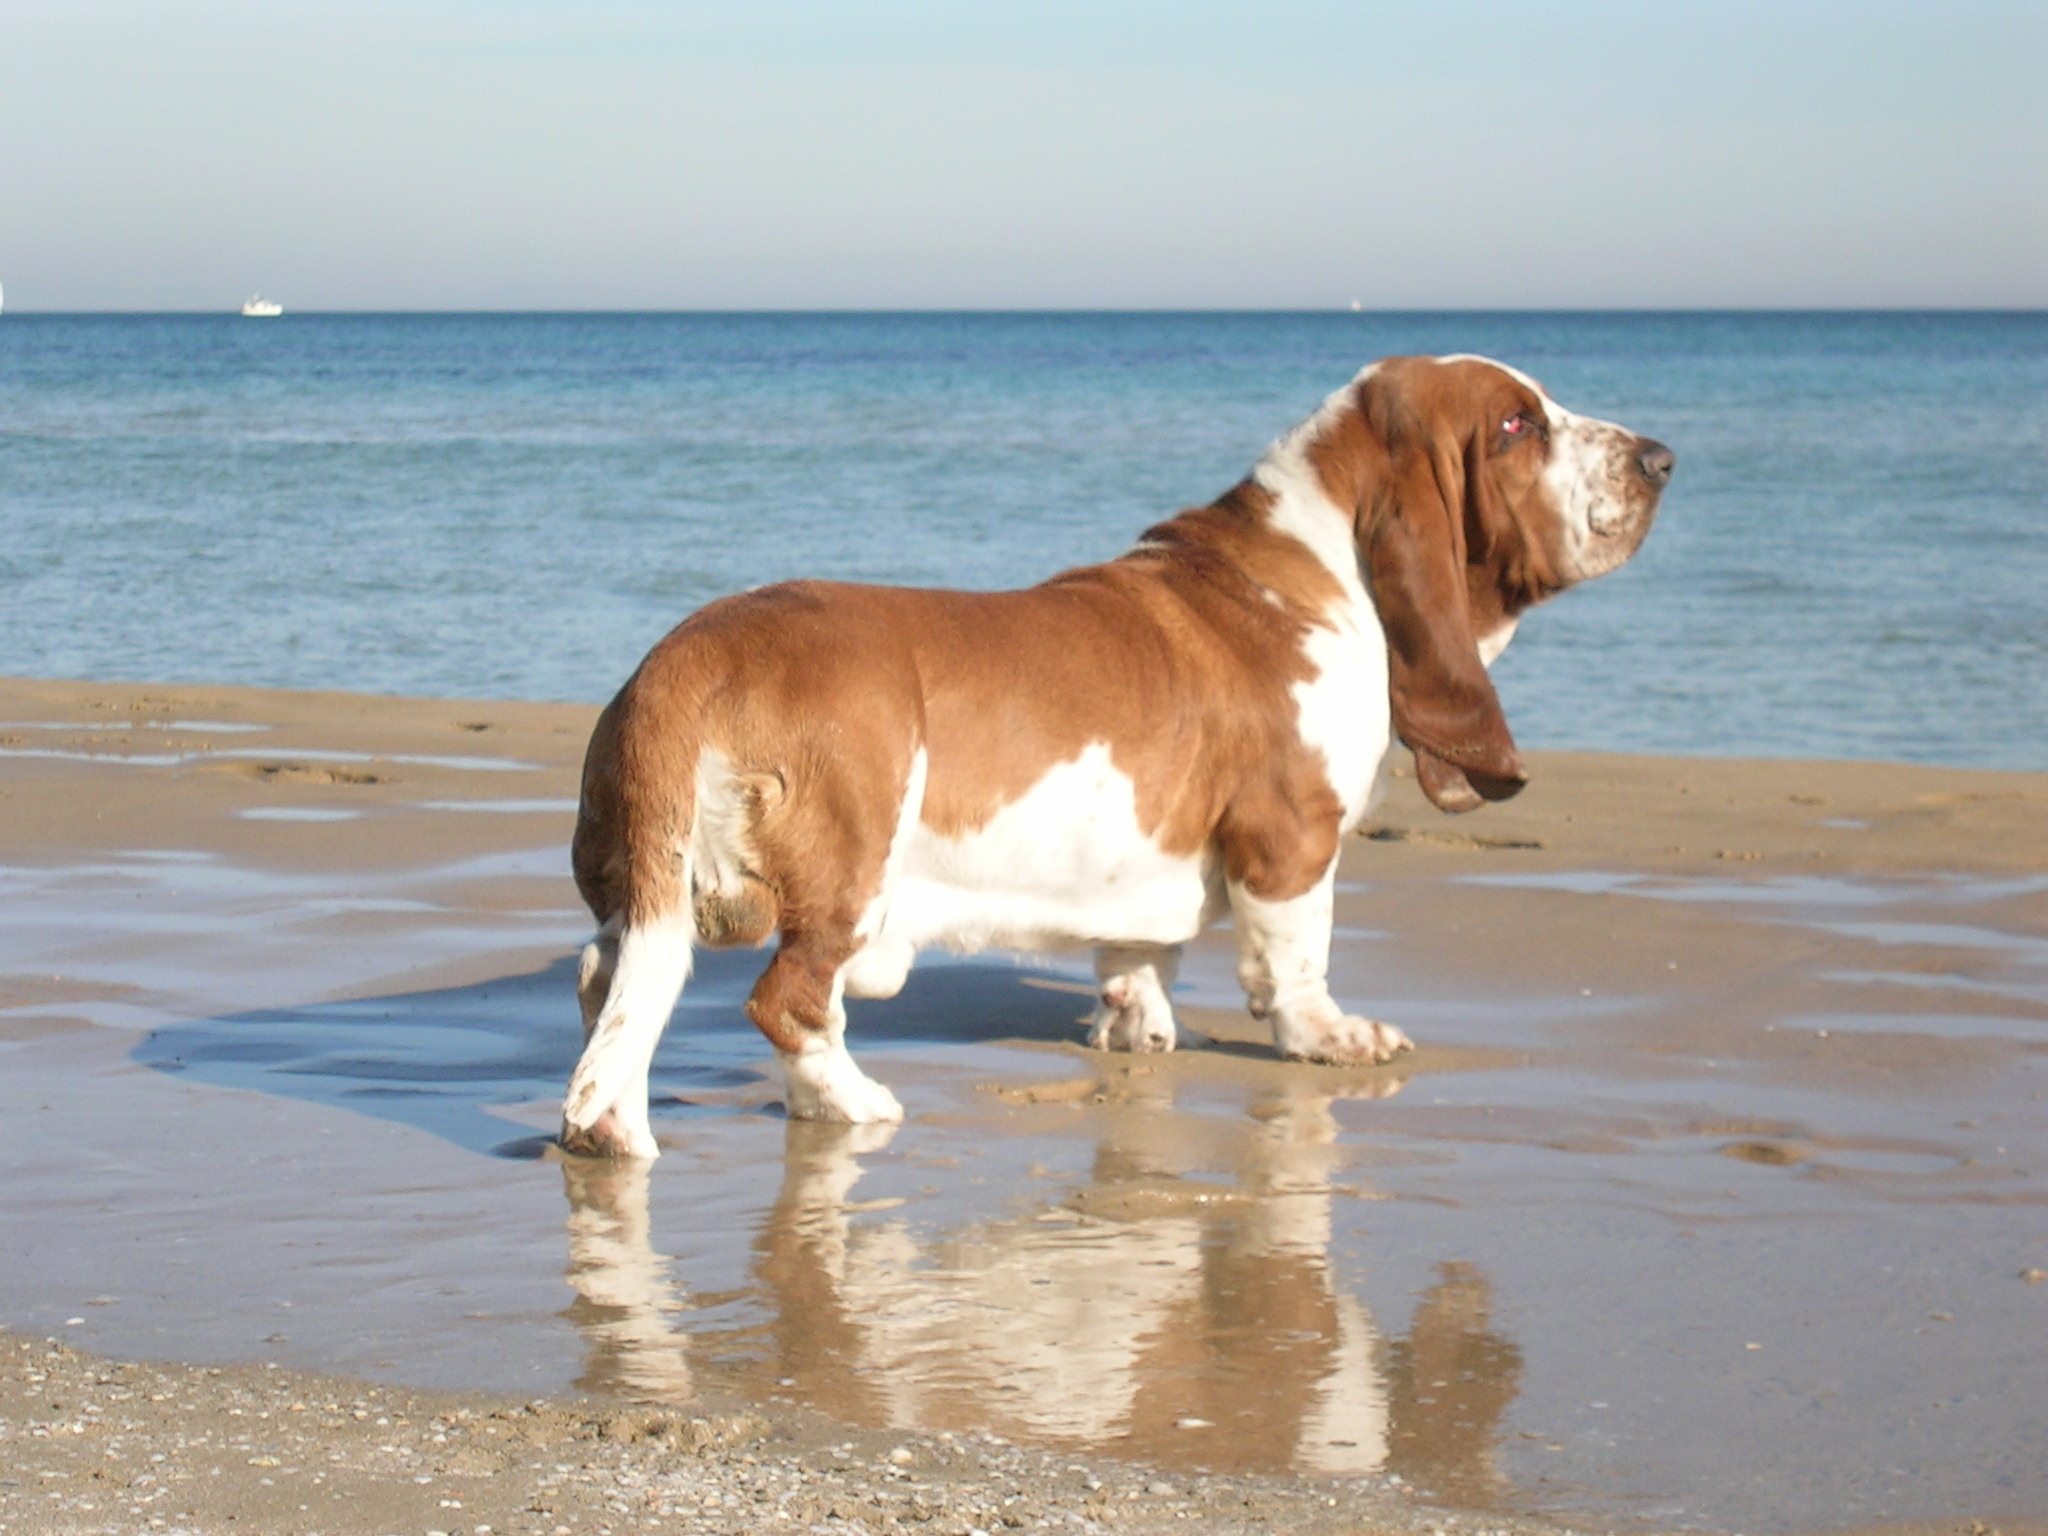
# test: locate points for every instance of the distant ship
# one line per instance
(260, 306)
(3, 298)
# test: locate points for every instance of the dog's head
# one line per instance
(1480, 496)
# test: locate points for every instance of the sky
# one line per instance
(746, 154)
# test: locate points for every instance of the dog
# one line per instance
(1113, 758)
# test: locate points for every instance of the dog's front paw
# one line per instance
(1131, 1018)
(1341, 1039)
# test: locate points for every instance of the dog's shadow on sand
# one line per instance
(442, 1060)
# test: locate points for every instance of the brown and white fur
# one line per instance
(1113, 758)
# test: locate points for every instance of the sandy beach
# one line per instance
(1715, 1194)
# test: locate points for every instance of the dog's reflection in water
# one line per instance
(626, 1306)
(1185, 1321)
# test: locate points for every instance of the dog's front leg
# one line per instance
(1284, 966)
(1134, 1012)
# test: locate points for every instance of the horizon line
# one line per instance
(1080, 309)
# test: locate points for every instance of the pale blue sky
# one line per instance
(463, 154)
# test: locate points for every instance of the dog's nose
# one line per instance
(1656, 462)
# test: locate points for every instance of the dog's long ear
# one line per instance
(1444, 706)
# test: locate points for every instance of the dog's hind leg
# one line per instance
(671, 824)
(594, 971)
(605, 1110)
(624, 1126)
(800, 1005)
(835, 937)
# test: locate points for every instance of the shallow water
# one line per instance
(1680, 1253)
(1848, 563)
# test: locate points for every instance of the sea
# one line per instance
(1852, 561)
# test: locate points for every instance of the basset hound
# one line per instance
(1113, 758)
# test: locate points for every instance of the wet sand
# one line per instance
(1712, 1197)
(97, 1446)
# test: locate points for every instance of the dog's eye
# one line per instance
(1516, 425)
